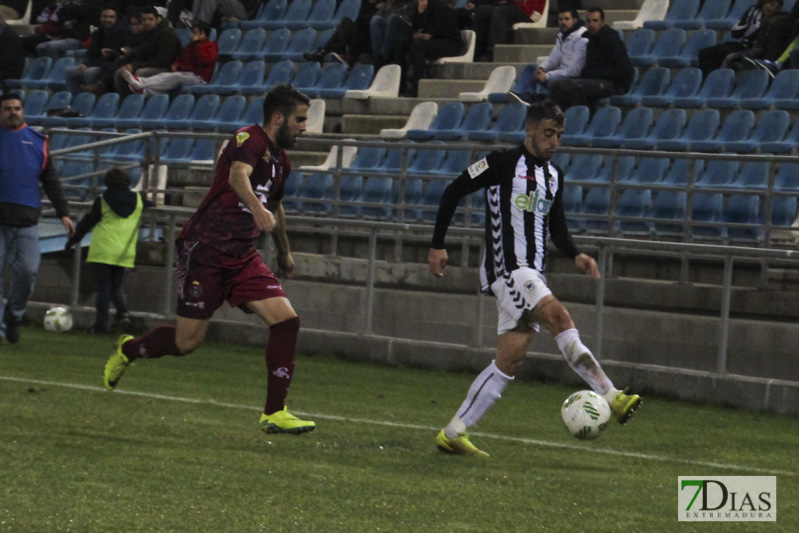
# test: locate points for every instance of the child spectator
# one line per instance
(115, 217)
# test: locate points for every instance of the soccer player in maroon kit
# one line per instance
(217, 260)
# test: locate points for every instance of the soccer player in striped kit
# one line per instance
(524, 208)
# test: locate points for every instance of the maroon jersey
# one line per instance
(222, 221)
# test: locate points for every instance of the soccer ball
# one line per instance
(58, 319)
(585, 414)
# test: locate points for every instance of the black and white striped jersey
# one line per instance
(524, 208)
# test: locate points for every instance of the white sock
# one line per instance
(486, 389)
(582, 361)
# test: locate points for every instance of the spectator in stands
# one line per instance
(434, 34)
(789, 58)
(24, 167)
(194, 66)
(389, 25)
(12, 58)
(494, 20)
(745, 31)
(351, 38)
(63, 26)
(114, 223)
(771, 37)
(106, 45)
(206, 9)
(566, 59)
(607, 69)
(158, 48)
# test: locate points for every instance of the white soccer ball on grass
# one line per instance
(585, 414)
(58, 319)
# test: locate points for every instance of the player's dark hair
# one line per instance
(116, 177)
(545, 110)
(595, 9)
(10, 96)
(285, 99)
(202, 26)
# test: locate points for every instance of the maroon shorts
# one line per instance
(207, 277)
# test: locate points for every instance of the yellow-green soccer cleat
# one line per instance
(624, 406)
(116, 365)
(460, 445)
(285, 422)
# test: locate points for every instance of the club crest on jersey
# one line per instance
(241, 137)
(532, 203)
(268, 156)
(195, 290)
(478, 168)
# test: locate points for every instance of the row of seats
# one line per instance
(322, 14)
(712, 14)
(705, 132)
(279, 44)
(719, 174)
(663, 213)
(753, 89)
(672, 49)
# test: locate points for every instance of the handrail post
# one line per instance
(600, 298)
(724, 328)
(370, 280)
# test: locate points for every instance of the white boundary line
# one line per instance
(534, 442)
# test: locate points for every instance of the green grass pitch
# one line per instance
(177, 448)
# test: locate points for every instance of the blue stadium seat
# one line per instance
(35, 104)
(784, 88)
(617, 169)
(204, 150)
(787, 178)
(636, 125)
(737, 126)
(413, 196)
(251, 80)
(710, 11)
(783, 211)
(280, 73)
(639, 45)
(301, 43)
(634, 203)
(577, 118)
(125, 152)
(561, 160)
(790, 142)
(753, 175)
(653, 82)
(254, 114)
(228, 42)
(503, 98)
(771, 127)
(377, 190)
(320, 16)
(678, 10)
(306, 75)
(702, 126)
(752, 84)
(297, 12)
(154, 110)
(717, 173)
(275, 47)
(205, 108)
(82, 103)
(176, 150)
(130, 109)
(510, 119)
(55, 77)
(455, 162)
(670, 125)
(604, 124)
(650, 170)
(368, 158)
(718, 84)
(681, 171)
(450, 116)
(230, 111)
(572, 206)
(35, 70)
(477, 119)
(689, 53)
(177, 116)
(346, 8)
(669, 205)
(428, 161)
(596, 202)
(731, 18)
(105, 107)
(58, 100)
(431, 198)
(669, 44)
(268, 12)
(685, 83)
(331, 77)
(585, 167)
(359, 78)
(251, 45)
(76, 189)
(223, 81)
(349, 193)
(707, 208)
(322, 38)
(291, 189)
(742, 209)
(317, 193)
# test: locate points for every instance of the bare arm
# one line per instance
(239, 180)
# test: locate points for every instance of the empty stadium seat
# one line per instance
(572, 205)
(718, 84)
(510, 119)
(454, 163)
(702, 126)
(350, 191)
(346, 8)
(228, 42)
(449, 117)
(787, 178)
(639, 46)
(596, 202)
(710, 11)
(359, 78)
(725, 22)
(604, 124)
(319, 17)
(790, 142)
(35, 103)
(385, 84)
(617, 169)
(377, 190)
(55, 77)
(332, 76)
(297, 11)
(668, 44)
(753, 175)
(251, 45)
(634, 203)
(129, 109)
(223, 82)
(478, 118)
(577, 118)
(254, 114)
(783, 211)
(368, 158)
(280, 73)
(650, 170)
(669, 125)
(317, 193)
(706, 208)
(783, 93)
(307, 75)
(275, 46)
(427, 161)
(751, 84)
(585, 167)
(500, 80)
(106, 107)
(177, 116)
(686, 83)
(679, 10)
(742, 209)
(650, 10)
(682, 171)
(230, 111)
(205, 108)
(301, 42)
(737, 126)
(717, 173)
(269, 11)
(771, 127)
(653, 82)
(669, 206)
(153, 111)
(82, 104)
(689, 53)
(636, 125)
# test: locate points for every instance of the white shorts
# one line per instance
(518, 291)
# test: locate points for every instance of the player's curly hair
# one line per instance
(285, 99)
(544, 110)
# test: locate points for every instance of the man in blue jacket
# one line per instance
(24, 163)
(607, 69)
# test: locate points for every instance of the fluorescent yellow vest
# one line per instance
(114, 238)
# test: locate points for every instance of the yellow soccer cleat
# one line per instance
(460, 445)
(624, 406)
(285, 422)
(116, 365)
